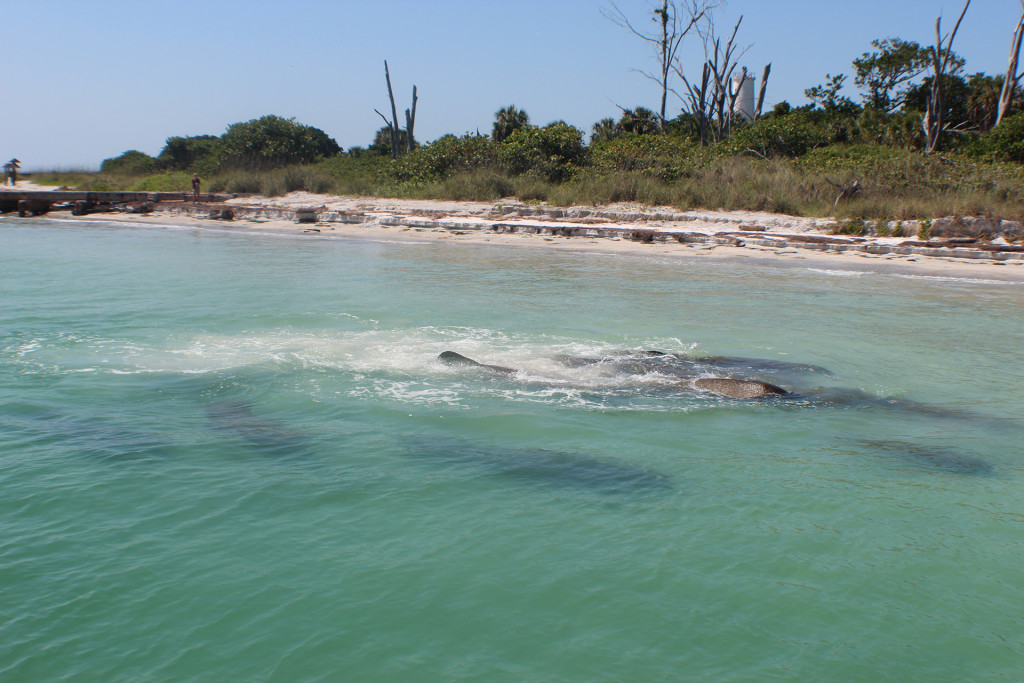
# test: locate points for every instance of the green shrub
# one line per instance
(662, 156)
(172, 181)
(554, 152)
(792, 135)
(446, 156)
(855, 226)
(901, 129)
(1006, 141)
(273, 141)
(182, 153)
(131, 162)
(924, 230)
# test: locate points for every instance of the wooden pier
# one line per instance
(36, 202)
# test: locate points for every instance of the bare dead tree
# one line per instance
(392, 123)
(676, 20)
(723, 62)
(764, 86)
(1012, 80)
(713, 103)
(410, 123)
(730, 107)
(699, 104)
(940, 54)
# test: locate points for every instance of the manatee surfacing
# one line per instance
(738, 388)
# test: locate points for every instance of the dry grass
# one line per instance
(895, 184)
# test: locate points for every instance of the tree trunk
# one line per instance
(665, 62)
(703, 115)
(734, 94)
(410, 123)
(760, 93)
(941, 51)
(1010, 83)
(394, 115)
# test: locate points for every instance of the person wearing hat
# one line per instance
(11, 171)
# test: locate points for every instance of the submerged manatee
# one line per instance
(99, 437)
(272, 437)
(936, 457)
(640, 362)
(738, 388)
(452, 358)
(569, 470)
(723, 386)
(692, 375)
(736, 363)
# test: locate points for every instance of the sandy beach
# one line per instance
(713, 235)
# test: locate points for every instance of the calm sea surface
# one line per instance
(232, 457)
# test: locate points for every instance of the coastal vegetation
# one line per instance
(880, 156)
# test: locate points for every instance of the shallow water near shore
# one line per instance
(236, 457)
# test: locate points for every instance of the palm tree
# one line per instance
(983, 100)
(603, 130)
(507, 121)
(640, 120)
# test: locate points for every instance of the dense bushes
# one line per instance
(555, 152)
(445, 157)
(791, 161)
(260, 144)
(1006, 141)
(792, 135)
(273, 141)
(667, 157)
(131, 162)
(182, 153)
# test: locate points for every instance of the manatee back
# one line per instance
(738, 388)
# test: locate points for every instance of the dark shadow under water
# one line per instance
(270, 437)
(101, 438)
(931, 457)
(537, 466)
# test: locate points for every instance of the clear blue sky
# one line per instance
(85, 80)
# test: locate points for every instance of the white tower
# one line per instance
(745, 99)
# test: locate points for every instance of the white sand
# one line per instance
(469, 223)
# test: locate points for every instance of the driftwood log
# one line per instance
(845, 191)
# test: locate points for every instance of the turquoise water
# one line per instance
(234, 457)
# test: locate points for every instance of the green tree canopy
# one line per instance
(955, 96)
(181, 153)
(275, 141)
(828, 98)
(132, 162)
(885, 75)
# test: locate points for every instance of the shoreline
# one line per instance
(622, 229)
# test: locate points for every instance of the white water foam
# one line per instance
(967, 280)
(841, 273)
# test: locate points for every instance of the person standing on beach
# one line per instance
(11, 171)
(195, 188)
